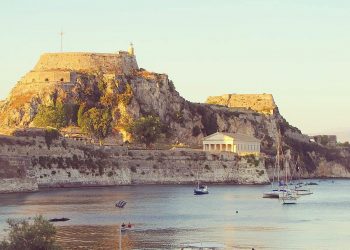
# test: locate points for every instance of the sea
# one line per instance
(171, 217)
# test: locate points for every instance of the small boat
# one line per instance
(125, 229)
(201, 189)
(289, 198)
(203, 245)
(312, 183)
(274, 193)
(303, 191)
(59, 219)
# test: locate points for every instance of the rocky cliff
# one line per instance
(116, 81)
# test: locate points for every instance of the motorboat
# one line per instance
(201, 189)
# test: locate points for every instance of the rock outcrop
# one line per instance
(130, 92)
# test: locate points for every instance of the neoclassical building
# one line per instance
(241, 144)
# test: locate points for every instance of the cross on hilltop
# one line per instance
(61, 34)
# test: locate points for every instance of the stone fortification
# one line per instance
(121, 62)
(62, 67)
(14, 185)
(68, 163)
(262, 103)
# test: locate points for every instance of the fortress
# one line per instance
(261, 103)
(63, 67)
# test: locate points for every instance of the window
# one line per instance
(46, 79)
(61, 80)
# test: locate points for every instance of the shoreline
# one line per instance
(52, 188)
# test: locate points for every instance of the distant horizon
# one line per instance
(295, 50)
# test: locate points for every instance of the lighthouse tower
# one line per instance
(131, 50)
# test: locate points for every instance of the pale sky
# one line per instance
(298, 50)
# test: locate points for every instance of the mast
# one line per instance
(198, 176)
(278, 157)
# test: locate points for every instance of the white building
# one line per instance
(237, 143)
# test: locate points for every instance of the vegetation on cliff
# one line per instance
(146, 129)
(97, 122)
(53, 116)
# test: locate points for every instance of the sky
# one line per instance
(297, 50)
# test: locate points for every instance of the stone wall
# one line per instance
(18, 185)
(48, 76)
(121, 63)
(262, 103)
(70, 163)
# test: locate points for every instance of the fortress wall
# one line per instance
(78, 164)
(121, 63)
(263, 103)
(47, 76)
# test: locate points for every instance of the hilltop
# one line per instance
(114, 80)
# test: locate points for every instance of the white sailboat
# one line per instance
(276, 191)
(290, 196)
(301, 188)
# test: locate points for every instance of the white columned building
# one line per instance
(241, 144)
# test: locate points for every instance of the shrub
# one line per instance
(145, 129)
(196, 131)
(207, 167)
(97, 122)
(50, 135)
(53, 116)
(29, 236)
(133, 169)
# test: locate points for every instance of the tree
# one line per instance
(81, 110)
(52, 116)
(146, 129)
(39, 235)
(70, 111)
(97, 122)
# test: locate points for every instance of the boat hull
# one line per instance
(200, 192)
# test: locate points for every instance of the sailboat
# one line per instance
(300, 187)
(290, 196)
(276, 191)
(200, 189)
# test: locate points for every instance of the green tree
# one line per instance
(81, 110)
(52, 116)
(146, 129)
(97, 122)
(70, 110)
(39, 235)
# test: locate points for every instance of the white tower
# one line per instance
(131, 50)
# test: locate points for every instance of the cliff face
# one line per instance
(65, 162)
(75, 78)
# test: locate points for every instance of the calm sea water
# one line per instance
(165, 217)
